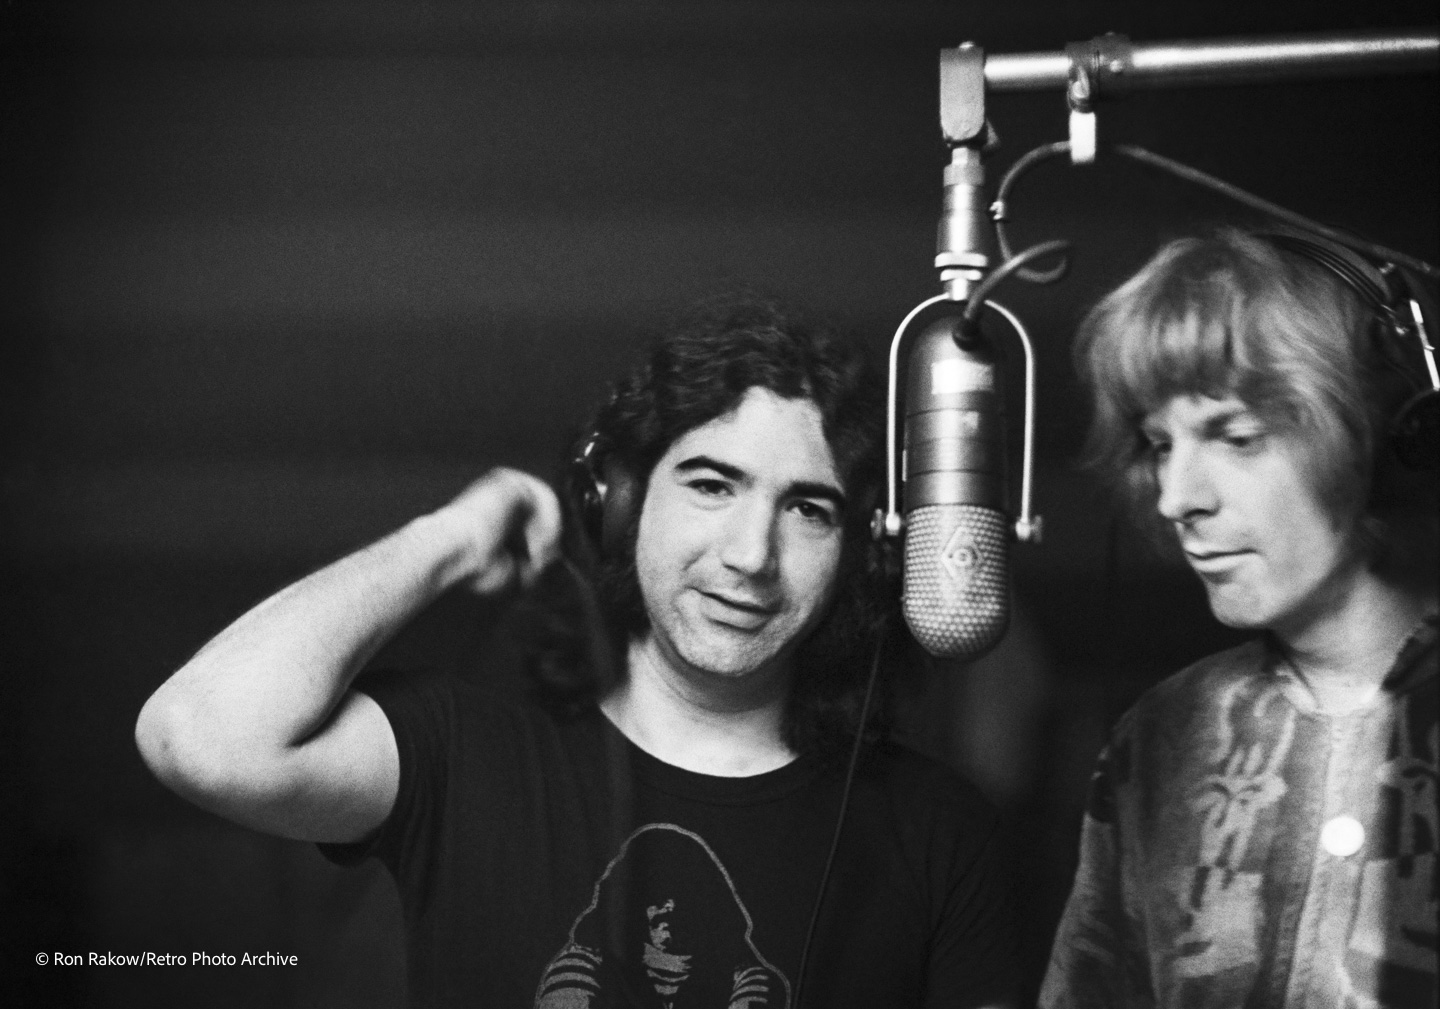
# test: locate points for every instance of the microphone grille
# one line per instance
(957, 592)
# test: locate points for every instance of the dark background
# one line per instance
(277, 277)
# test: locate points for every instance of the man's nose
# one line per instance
(1186, 489)
(749, 545)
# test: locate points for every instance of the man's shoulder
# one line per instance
(1198, 685)
(427, 700)
(924, 815)
(1240, 662)
(916, 784)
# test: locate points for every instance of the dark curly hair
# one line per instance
(584, 612)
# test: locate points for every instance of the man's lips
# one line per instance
(737, 610)
(1208, 559)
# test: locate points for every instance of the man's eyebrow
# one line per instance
(1219, 421)
(705, 462)
(801, 488)
(1150, 426)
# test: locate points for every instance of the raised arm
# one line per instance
(261, 726)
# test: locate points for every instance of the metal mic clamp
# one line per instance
(963, 243)
(960, 254)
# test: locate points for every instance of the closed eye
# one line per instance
(1243, 431)
(1244, 440)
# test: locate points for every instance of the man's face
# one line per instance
(740, 536)
(1268, 551)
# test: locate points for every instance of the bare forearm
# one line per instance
(261, 726)
(282, 667)
(272, 678)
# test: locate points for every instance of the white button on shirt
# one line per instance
(1342, 836)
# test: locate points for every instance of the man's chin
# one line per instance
(1239, 613)
(728, 653)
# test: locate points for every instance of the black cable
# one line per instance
(997, 276)
(1199, 178)
(839, 822)
(1000, 209)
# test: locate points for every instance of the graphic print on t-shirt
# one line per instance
(665, 928)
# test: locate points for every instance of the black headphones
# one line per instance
(1395, 301)
(606, 491)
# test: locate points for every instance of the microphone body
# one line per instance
(956, 594)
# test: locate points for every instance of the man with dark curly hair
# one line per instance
(648, 824)
(1262, 827)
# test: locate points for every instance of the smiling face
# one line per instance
(1253, 527)
(739, 541)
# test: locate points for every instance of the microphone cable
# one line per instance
(839, 819)
(999, 210)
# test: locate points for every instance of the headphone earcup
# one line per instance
(592, 511)
(587, 492)
(618, 507)
(607, 494)
(1415, 432)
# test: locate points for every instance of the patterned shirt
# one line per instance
(1242, 848)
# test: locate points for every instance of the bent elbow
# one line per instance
(190, 750)
(163, 735)
(204, 759)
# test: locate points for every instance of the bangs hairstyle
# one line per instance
(1232, 315)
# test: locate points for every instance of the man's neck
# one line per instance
(1345, 655)
(719, 728)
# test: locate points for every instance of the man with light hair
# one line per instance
(1261, 828)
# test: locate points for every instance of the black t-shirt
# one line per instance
(548, 861)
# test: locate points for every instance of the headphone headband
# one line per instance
(1372, 284)
(1384, 290)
